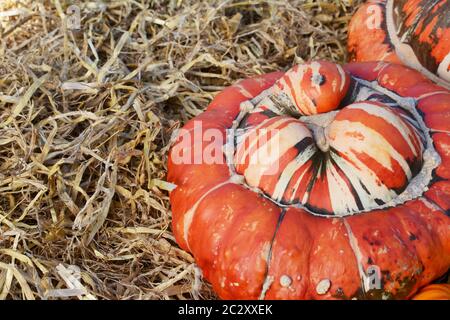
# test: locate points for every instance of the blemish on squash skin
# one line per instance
(253, 226)
(339, 293)
(412, 237)
(372, 242)
(323, 286)
(404, 288)
(285, 281)
(355, 135)
(222, 282)
(383, 250)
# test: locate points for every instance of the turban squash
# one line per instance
(412, 32)
(299, 185)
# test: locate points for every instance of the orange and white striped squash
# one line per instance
(411, 32)
(320, 175)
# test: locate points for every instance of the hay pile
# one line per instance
(86, 118)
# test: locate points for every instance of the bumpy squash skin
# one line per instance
(245, 244)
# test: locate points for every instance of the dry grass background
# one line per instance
(86, 118)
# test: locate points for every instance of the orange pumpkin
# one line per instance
(412, 32)
(354, 183)
(434, 292)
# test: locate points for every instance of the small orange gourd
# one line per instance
(434, 292)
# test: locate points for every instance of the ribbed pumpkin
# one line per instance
(296, 185)
(412, 32)
(434, 292)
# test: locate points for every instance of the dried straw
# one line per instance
(85, 121)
